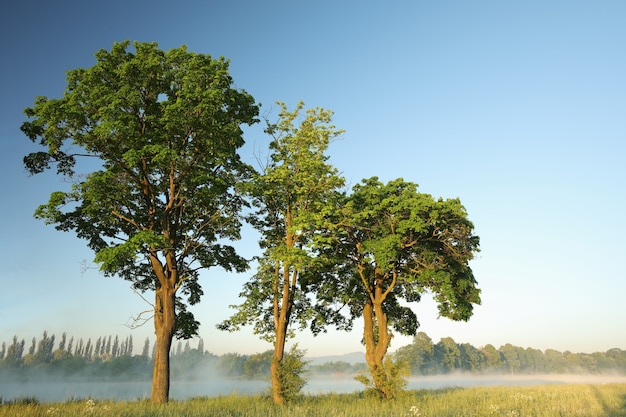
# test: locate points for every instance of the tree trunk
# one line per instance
(282, 314)
(377, 340)
(277, 359)
(164, 325)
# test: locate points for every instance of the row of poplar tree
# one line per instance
(42, 352)
(112, 356)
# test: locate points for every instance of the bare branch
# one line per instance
(140, 319)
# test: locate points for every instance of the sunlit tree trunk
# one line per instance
(164, 324)
(277, 359)
(377, 339)
(375, 330)
(283, 299)
(282, 315)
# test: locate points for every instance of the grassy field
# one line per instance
(541, 401)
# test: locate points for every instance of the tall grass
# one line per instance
(540, 401)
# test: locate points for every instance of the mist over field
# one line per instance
(211, 383)
(111, 368)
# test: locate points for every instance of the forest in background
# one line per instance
(113, 357)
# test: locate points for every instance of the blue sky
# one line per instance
(517, 108)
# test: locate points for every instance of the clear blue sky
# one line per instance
(516, 107)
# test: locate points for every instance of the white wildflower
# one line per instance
(414, 411)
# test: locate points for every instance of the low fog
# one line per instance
(111, 369)
(211, 382)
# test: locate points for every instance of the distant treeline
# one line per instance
(427, 358)
(112, 357)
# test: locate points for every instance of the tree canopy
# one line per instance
(293, 194)
(396, 244)
(163, 129)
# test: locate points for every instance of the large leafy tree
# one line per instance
(293, 195)
(395, 245)
(163, 128)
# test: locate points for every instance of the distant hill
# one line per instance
(351, 358)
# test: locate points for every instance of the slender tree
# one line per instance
(98, 348)
(69, 345)
(145, 352)
(63, 341)
(115, 350)
(162, 130)
(14, 353)
(88, 350)
(33, 346)
(292, 196)
(79, 350)
(397, 244)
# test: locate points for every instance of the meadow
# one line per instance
(606, 400)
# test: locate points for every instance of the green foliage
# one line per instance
(405, 243)
(291, 372)
(394, 380)
(418, 354)
(336, 368)
(293, 196)
(394, 244)
(447, 353)
(257, 366)
(157, 132)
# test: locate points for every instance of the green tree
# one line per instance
(63, 341)
(493, 357)
(115, 350)
(510, 354)
(258, 365)
(617, 355)
(292, 195)
(447, 354)
(556, 362)
(472, 359)
(107, 347)
(163, 130)
(145, 352)
(232, 364)
(33, 346)
(45, 349)
(418, 355)
(535, 361)
(69, 345)
(14, 354)
(398, 244)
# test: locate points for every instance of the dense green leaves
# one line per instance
(406, 243)
(160, 131)
(160, 185)
(292, 195)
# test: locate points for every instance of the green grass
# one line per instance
(540, 401)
